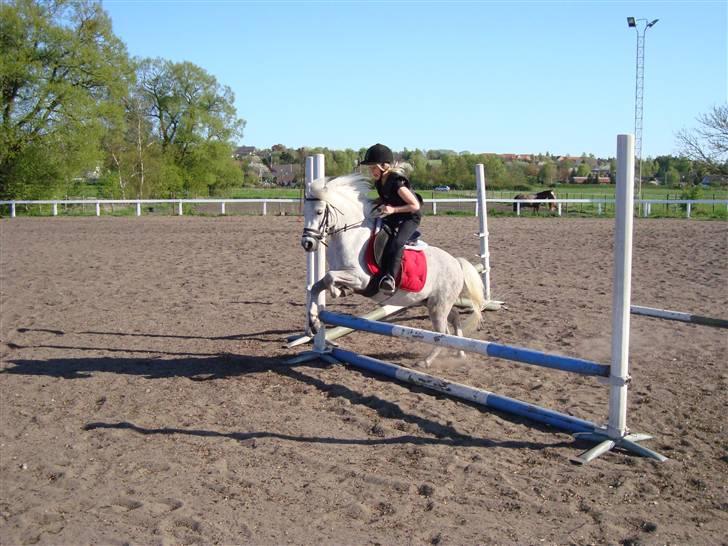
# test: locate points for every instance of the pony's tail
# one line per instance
(473, 288)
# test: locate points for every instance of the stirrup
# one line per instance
(387, 285)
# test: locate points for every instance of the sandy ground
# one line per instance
(145, 398)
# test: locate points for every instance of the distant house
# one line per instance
(576, 160)
(714, 180)
(284, 175)
(241, 152)
(591, 180)
(514, 157)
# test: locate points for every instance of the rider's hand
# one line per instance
(387, 209)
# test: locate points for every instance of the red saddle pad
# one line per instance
(413, 274)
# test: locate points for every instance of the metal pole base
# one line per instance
(605, 443)
(309, 356)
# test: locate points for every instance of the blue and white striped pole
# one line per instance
(465, 392)
(497, 350)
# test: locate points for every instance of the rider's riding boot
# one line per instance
(387, 285)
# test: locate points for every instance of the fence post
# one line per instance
(138, 208)
(434, 208)
(12, 209)
(688, 209)
(265, 208)
(222, 208)
(55, 209)
(98, 208)
(518, 209)
(559, 206)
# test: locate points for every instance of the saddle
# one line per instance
(413, 274)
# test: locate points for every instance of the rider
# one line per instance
(400, 206)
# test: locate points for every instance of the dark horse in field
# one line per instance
(547, 194)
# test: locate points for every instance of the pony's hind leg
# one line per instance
(439, 317)
(454, 319)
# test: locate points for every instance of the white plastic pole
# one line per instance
(319, 341)
(12, 210)
(179, 208)
(319, 172)
(222, 208)
(310, 256)
(55, 209)
(483, 221)
(619, 376)
(138, 208)
(98, 209)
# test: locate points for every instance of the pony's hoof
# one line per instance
(421, 364)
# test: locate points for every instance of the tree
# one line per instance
(62, 75)
(495, 170)
(708, 143)
(547, 173)
(196, 123)
(583, 169)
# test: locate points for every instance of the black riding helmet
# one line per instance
(378, 154)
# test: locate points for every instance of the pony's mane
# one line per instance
(339, 191)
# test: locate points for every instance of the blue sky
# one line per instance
(478, 76)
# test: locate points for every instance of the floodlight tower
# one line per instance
(640, 26)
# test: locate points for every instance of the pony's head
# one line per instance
(333, 204)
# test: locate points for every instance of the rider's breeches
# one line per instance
(394, 250)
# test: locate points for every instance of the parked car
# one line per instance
(442, 188)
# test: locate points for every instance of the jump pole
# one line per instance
(615, 434)
(679, 316)
(486, 348)
(465, 392)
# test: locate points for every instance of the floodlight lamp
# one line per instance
(631, 22)
(651, 24)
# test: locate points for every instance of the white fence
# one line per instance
(600, 203)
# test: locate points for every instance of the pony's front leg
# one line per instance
(337, 283)
(342, 282)
(314, 323)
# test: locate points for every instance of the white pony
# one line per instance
(338, 213)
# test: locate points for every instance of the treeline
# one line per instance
(76, 106)
(430, 168)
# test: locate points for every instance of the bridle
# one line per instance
(327, 225)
